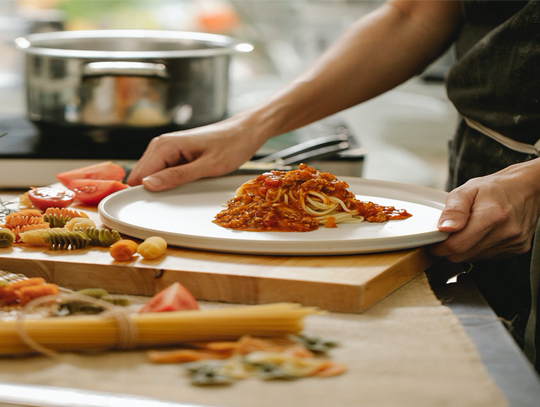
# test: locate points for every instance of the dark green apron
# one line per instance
(496, 82)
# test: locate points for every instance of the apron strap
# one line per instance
(531, 346)
(505, 141)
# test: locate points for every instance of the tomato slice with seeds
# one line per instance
(106, 170)
(49, 197)
(92, 191)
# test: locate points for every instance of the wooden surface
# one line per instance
(346, 283)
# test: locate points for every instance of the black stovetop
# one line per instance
(25, 140)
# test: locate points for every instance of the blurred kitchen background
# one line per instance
(405, 132)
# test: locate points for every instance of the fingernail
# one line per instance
(449, 223)
(152, 182)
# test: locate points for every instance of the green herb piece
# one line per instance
(272, 371)
(207, 373)
(315, 345)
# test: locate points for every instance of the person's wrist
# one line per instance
(258, 124)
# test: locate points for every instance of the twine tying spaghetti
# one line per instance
(127, 329)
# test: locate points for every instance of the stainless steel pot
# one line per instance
(128, 79)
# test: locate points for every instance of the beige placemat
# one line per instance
(408, 350)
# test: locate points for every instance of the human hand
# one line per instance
(493, 216)
(174, 159)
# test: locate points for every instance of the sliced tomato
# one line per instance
(175, 297)
(105, 171)
(49, 197)
(92, 191)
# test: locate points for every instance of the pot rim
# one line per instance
(46, 44)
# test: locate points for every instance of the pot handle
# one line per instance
(123, 68)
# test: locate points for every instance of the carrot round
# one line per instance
(123, 250)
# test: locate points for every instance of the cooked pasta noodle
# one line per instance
(101, 236)
(152, 247)
(34, 237)
(61, 239)
(22, 220)
(79, 223)
(20, 229)
(24, 212)
(123, 250)
(65, 212)
(7, 237)
(58, 218)
(299, 201)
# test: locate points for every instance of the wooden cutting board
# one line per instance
(345, 283)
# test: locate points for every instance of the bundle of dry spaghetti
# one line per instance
(79, 333)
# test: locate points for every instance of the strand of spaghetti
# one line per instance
(278, 195)
(327, 198)
(292, 195)
(312, 212)
(340, 202)
(286, 198)
(324, 197)
(320, 205)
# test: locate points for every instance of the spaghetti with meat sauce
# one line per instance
(299, 201)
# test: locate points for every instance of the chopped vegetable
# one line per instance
(173, 298)
(209, 373)
(49, 197)
(102, 171)
(315, 345)
(218, 363)
(92, 191)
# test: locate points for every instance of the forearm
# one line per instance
(379, 52)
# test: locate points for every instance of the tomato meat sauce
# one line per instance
(299, 201)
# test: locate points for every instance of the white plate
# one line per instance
(183, 217)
